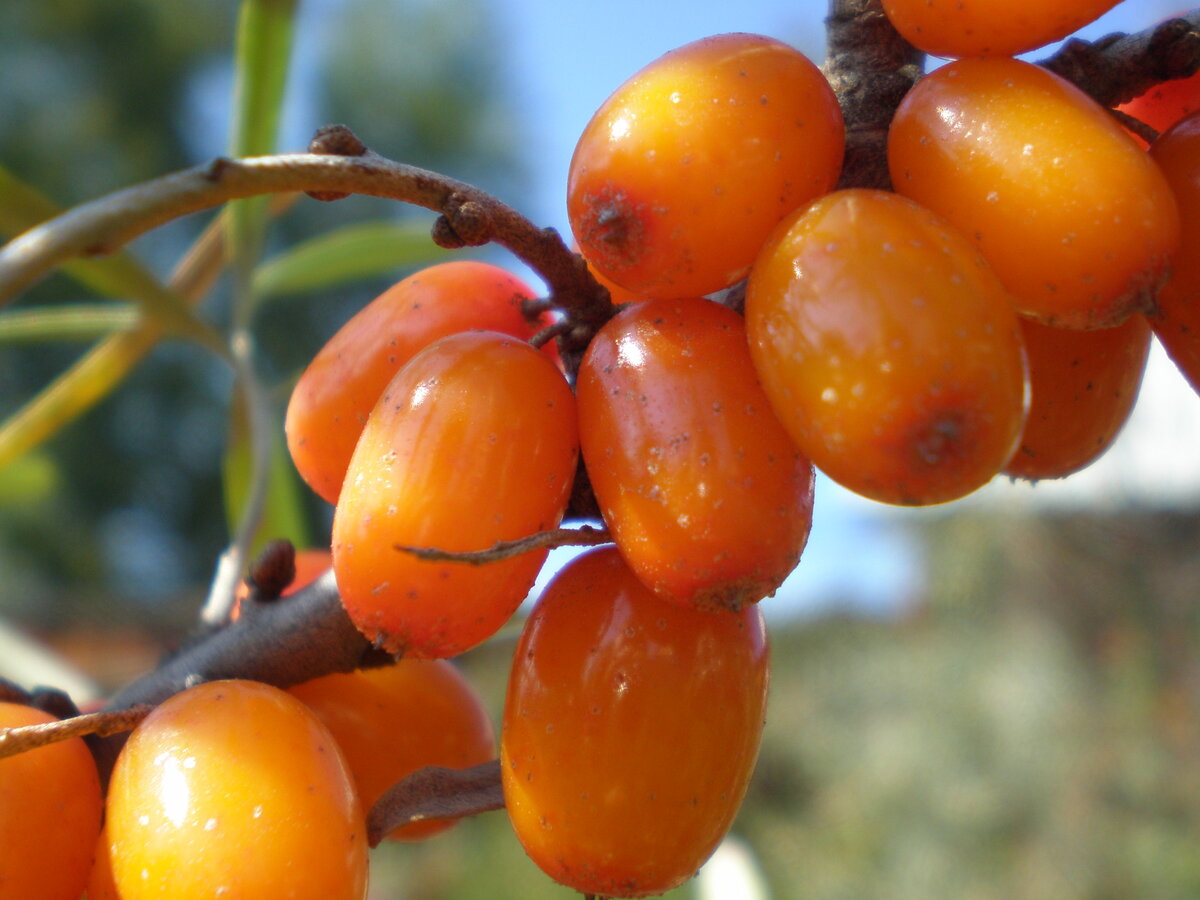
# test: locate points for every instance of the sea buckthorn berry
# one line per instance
(1166, 103)
(1069, 211)
(989, 27)
(100, 884)
(330, 402)
(631, 728)
(392, 721)
(1176, 321)
(1082, 387)
(236, 789)
(707, 497)
(50, 810)
(888, 348)
(683, 171)
(473, 442)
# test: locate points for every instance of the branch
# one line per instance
(436, 793)
(285, 642)
(1120, 67)
(468, 216)
(102, 724)
(870, 67)
(584, 536)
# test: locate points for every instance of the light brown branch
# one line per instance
(102, 724)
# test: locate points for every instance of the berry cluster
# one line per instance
(991, 314)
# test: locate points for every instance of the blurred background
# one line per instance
(997, 698)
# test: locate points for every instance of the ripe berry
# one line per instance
(989, 27)
(631, 728)
(332, 399)
(888, 349)
(706, 496)
(683, 171)
(473, 442)
(49, 814)
(236, 789)
(1074, 218)
(1082, 387)
(392, 721)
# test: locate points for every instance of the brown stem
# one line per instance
(584, 536)
(101, 724)
(436, 793)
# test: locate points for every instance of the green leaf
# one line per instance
(264, 45)
(77, 322)
(347, 254)
(118, 276)
(283, 514)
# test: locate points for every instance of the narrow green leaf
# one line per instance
(77, 322)
(350, 253)
(118, 276)
(283, 513)
(264, 44)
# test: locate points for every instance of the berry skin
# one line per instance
(392, 721)
(1166, 103)
(888, 349)
(234, 789)
(631, 727)
(334, 395)
(1176, 321)
(706, 496)
(50, 810)
(473, 442)
(683, 171)
(989, 27)
(1071, 214)
(1082, 387)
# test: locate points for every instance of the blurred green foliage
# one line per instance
(99, 94)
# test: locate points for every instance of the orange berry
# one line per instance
(332, 399)
(631, 728)
(1082, 387)
(888, 349)
(990, 27)
(235, 789)
(473, 442)
(1072, 215)
(50, 809)
(1176, 321)
(392, 721)
(707, 497)
(683, 172)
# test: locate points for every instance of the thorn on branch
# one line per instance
(272, 571)
(584, 536)
(436, 793)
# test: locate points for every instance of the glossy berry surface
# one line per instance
(989, 27)
(631, 727)
(683, 171)
(50, 811)
(473, 442)
(1083, 385)
(334, 395)
(396, 719)
(705, 494)
(1072, 215)
(888, 349)
(234, 789)
(1176, 319)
